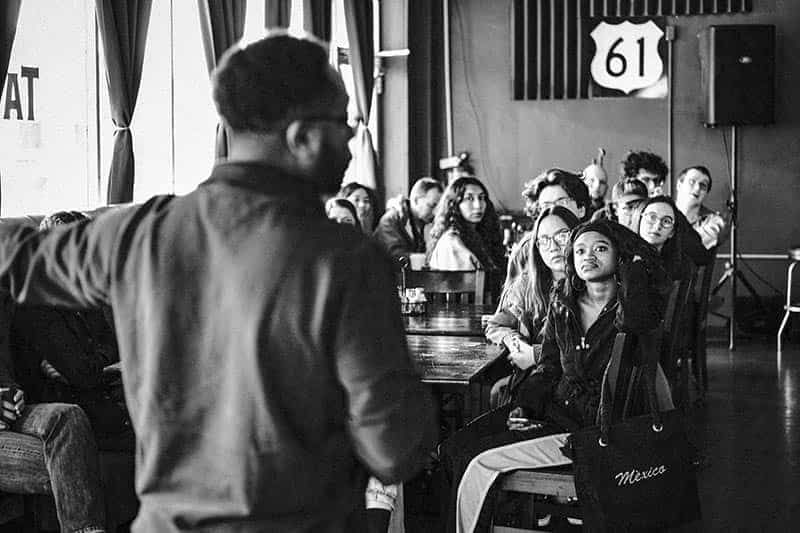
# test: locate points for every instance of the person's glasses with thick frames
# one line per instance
(561, 238)
(652, 219)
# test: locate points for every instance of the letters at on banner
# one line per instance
(628, 58)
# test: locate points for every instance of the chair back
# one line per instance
(702, 283)
(675, 339)
(462, 283)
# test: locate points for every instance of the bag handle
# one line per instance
(649, 345)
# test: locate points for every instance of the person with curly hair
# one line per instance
(550, 188)
(466, 232)
(648, 168)
(613, 282)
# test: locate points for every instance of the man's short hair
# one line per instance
(628, 186)
(648, 161)
(699, 168)
(423, 185)
(572, 184)
(270, 80)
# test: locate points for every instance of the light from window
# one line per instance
(47, 106)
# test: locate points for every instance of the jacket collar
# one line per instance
(265, 179)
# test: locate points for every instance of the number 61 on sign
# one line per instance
(627, 55)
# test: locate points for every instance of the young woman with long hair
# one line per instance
(466, 230)
(613, 282)
(520, 315)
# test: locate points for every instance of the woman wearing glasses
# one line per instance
(518, 321)
(663, 226)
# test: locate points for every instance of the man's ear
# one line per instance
(304, 141)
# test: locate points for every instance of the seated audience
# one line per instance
(648, 168)
(401, 229)
(341, 211)
(48, 448)
(466, 230)
(550, 188)
(365, 202)
(71, 357)
(694, 184)
(520, 315)
(613, 282)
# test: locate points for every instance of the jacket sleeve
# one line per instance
(390, 234)
(66, 266)
(391, 413)
(505, 321)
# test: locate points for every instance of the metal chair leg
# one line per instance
(783, 325)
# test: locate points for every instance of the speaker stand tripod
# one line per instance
(732, 273)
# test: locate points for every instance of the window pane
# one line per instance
(195, 116)
(151, 125)
(46, 163)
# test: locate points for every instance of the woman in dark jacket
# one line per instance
(614, 282)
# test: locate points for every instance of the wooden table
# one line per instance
(458, 320)
(456, 365)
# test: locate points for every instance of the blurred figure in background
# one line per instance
(596, 180)
(366, 203)
(341, 211)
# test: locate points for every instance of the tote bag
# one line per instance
(635, 474)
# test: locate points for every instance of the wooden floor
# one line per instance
(748, 429)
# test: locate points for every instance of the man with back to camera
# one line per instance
(692, 187)
(264, 358)
(401, 229)
(648, 168)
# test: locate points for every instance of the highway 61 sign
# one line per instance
(627, 56)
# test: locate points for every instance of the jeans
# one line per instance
(50, 450)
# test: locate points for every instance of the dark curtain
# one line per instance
(358, 19)
(318, 18)
(426, 89)
(276, 13)
(123, 29)
(9, 15)
(221, 25)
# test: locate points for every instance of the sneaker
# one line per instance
(543, 520)
(574, 521)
